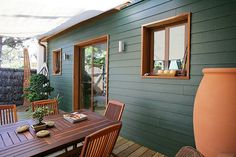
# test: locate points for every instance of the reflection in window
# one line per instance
(169, 48)
(57, 62)
(159, 49)
(93, 77)
(176, 47)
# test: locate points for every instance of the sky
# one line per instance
(31, 18)
(27, 18)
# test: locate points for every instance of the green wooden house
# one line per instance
(149, 55)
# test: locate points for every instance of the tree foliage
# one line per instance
(98, 54)
(12, 42)
(39, 88)
(39, 113)
(11, 51)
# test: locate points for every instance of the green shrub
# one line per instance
(39, 88)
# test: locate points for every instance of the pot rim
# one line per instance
(219, 70)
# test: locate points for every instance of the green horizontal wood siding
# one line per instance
(159, 112)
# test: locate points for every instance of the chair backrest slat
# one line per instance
(101, 143)
(8, 114)
(114, 110)
(51, 104)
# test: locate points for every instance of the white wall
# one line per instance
(40, 57)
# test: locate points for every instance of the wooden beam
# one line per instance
(75, 91)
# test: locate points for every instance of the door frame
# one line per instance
(77, 68)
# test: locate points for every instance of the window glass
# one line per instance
(159, 49)
(176, 46)
(93, 77)
(166, 48)
(57, 62)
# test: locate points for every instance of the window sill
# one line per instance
(56, 74)
(166, 77)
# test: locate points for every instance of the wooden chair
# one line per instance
(188, 151)
(98, 144)
(8, 114)
(51, 104)
(114, 110)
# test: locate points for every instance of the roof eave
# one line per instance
(71, 28)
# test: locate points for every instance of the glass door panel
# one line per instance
(93, 77)
(86, 78)
(99, 77)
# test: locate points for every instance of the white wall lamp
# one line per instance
(121, 46)
(65, 56)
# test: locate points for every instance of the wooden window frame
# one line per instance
(53, 61)
(147, 53)
(77, 69)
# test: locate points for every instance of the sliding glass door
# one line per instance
(93, 81)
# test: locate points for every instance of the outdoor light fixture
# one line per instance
(121, 46)
(65, 56)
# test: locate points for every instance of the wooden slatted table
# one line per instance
(64, 134)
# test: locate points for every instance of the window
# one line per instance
(166, 48)
(56, 56)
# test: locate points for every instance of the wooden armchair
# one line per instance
(101, 143)
(98, 144)
(114, 110)
(8, 114)
(51, 104)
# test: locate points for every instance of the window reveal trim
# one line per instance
(55, 61)
(147, 49)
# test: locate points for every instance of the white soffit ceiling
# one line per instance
(29, 18)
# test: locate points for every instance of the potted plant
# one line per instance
(38, 114)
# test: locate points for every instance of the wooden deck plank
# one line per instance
(123, 147)
(148, 153)
(120, 142)
(129, 150)
(139, 152)
(159, 155)
(119, 138)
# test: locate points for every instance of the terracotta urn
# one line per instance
(214, 114)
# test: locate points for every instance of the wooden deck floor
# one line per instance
(126, 148)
